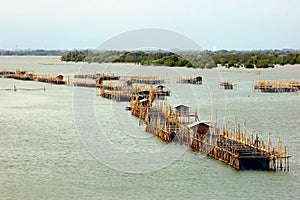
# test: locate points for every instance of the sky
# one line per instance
(213, 24)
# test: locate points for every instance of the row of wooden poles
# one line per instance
(279, 159)
(233, 148)
(24, 76)
(276, 86)
(229, 147)
(15, 88)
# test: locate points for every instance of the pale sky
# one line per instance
(213, 24)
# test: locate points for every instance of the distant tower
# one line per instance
(215, 48)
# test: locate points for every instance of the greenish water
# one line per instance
(44, 154)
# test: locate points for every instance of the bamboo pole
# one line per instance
(280, 153)
(285, 158)
(268, 144)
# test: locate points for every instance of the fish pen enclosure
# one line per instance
(245, 153)
(178, 124)
(115, 90)
(25, 76)
(19, 75)
(140, 101)
(148, 80)
(160, 92)
(122, 90)
(84, 84)
(233, 148)
(97, 75)
(191, 80)
(276, 86)
(58, 80)
(227, 85)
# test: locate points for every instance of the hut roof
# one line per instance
(21, 72)
(143, 100)
(197, 123)
(160, 86)
(144, 92)
(181, 105)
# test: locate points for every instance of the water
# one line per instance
(43, 154)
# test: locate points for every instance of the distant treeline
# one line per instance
(144, 58)
(203, 59)
(259, 59)
(38, 52)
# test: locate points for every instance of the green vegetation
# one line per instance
(141, 57)
(258, 59)
(194, 59)
(75, 56)
(203, 59)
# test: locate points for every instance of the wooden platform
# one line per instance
(276, 86)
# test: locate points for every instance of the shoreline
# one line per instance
(295, 67)
(54, 60)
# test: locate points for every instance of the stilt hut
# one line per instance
(182, 110)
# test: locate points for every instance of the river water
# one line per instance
(69, 143)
